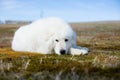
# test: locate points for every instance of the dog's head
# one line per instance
(63, 43)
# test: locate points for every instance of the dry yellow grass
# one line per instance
(9, 53)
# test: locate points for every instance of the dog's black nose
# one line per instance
(62, 51)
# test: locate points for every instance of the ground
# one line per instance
(102, 62)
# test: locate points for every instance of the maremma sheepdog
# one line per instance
(46, 36)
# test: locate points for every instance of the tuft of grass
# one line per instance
(95, 65)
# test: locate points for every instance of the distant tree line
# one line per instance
(14, 22)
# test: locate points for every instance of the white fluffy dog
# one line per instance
(49, 35)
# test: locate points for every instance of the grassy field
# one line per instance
(102, 62)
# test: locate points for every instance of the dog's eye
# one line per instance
(66, 40)
(57, 40)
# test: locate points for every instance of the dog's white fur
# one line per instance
(47, 36)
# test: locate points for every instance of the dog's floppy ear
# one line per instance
(50, 43)
(74, 40)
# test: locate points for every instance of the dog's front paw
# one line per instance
(79, 51)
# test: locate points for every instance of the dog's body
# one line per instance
(47, 36)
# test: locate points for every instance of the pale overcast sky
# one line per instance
(70, 10)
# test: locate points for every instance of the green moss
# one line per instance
(51, 65)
